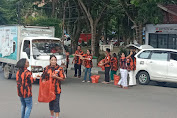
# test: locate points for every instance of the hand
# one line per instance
(54, 76)
(34, 79)
(72, 62)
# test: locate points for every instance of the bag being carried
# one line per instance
(46, 91)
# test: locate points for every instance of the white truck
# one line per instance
(34, 43)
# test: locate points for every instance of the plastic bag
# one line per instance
(46, 91)
(95, 78)
(99, 64)
(116, 79)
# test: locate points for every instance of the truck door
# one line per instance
(25, 49)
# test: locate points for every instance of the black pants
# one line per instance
(107, 69)
(77, 67)
(55, 104)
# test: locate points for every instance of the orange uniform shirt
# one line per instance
(114, 64)
(77, 59)
(24, 83)
(131, 63)
(88, 63)
(108, 58)
(47, 73)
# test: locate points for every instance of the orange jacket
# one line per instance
(114, 64)
(88, 63)
(77, 59)
(108, 58)
(47, 73)
(24, 83)
(131, 63)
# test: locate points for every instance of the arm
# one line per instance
(109, 59)
(60, 76)
(129, 55)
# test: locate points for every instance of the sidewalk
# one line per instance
(95, 70)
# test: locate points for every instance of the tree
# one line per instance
(7, 12)
(94, 11)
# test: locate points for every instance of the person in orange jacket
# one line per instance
(24, 87)
(88, 65)
(123, 71)
(107, 64)
(114, 66)
(131, 67)
(77, 61)
(55, 73)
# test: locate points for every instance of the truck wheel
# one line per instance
(7, 74)
(143, 78)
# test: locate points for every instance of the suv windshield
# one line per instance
(47, 47)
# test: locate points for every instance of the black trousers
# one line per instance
(107, 69)
(77, 67)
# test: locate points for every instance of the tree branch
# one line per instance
(86, 11)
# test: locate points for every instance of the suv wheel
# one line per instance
(143, 78)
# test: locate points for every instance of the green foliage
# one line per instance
(7, 12)
(45, 21)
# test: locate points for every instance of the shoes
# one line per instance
(83, 81)
(79, 76)
(88, 81)
(125, 87)
(105, 82)
(112, 81)
(119, 86)
(75, 75)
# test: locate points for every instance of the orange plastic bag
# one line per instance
(46, 91)
(116, 79)
(95, 78)
(99, 64)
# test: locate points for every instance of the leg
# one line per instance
(134, 78)
(112, 76)
(108, 70)
(23, 106)
(85, 76)
(106, 74)
(79, 67)
(29, 104)
(89, 70)
(125, 78)
(120, 81)
(75, 68)
(57, 105)
(51, 108)
(130, 78)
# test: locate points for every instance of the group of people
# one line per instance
(24, 85)
(127, 65)
(56, 73)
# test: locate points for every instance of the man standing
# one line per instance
(131, 67)
(77, 61)
(107, 64)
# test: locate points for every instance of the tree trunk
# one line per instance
(93, 36)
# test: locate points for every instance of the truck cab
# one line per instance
(38, 50)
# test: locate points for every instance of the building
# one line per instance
(163, 35)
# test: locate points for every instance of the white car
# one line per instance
(156, 64)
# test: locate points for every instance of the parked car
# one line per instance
(159, 65)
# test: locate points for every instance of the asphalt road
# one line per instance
(86, 100)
